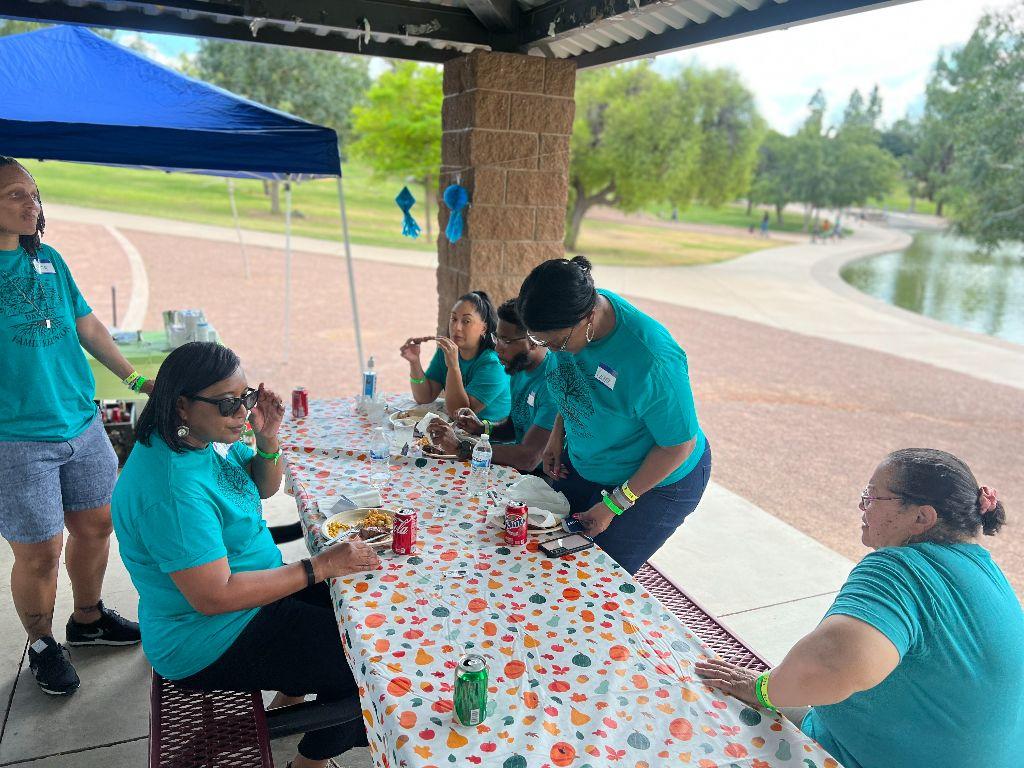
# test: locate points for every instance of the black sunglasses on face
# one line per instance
(229, 405)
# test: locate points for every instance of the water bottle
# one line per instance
(480, 474)
(380, 458)
(369, 380)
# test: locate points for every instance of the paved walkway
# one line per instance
(798, 412)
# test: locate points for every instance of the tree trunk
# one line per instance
(579, 210)
(778, 213)
(750, 205)
(426, 207)
(272, 189)
(938, 207)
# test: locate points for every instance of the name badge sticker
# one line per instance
(606, 375)
(43, 267)
(531, 399)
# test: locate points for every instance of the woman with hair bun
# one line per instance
(918, 662)
(626, 449)
(465, 366)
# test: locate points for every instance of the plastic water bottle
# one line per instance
(369, 380)
(380, 459)
(480, 474)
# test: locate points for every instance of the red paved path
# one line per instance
(797, 423)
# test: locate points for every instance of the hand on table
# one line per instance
(552, 458)
(443, 436)
(345, 558)
(467, 420)
(266, 416)
(730, 678)
(596, 519)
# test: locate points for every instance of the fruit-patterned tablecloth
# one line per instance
(586, 668)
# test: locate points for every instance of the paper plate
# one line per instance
(353, 518)
(410, 416)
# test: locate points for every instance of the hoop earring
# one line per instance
(183, 431)
(589, 333)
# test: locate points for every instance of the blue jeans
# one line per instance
(638, 533)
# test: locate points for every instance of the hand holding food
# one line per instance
(468, 421)
(443, 436)
(411, 349)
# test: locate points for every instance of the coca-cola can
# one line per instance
(300, 403)
(115, 414)
(404, 532)
(515, 523)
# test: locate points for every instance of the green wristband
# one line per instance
(418, 381)
(761, 691)
(274, 457)
(487, 427)
(139, 383)
(610, 503)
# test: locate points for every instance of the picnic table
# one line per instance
(145, 355)
(587, 668)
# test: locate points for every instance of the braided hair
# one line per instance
(31, 243)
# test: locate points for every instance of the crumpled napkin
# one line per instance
(533, 491)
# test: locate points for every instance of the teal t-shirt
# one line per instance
(174, 511)
(483, 377)
(623, 394)
(531, 402)
(957, 696)
(46, 384)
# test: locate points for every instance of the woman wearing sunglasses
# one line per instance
(465, 366)
(218, 608)
(626, 449)
(918, 661)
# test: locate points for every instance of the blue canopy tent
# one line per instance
(72, 95)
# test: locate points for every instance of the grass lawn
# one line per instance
(732, 215)
(373, 217)
(899, 200)
(607, 242)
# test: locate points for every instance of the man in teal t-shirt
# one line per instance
(174, 511)
(520, 439)
(959, 631)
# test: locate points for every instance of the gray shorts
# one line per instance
(40, 482)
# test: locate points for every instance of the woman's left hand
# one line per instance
(596, 519)
(732, 679)
(450, 351)
(266, 417)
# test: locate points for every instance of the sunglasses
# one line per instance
(229, 405)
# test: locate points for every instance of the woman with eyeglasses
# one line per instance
(626, 449)
(918, 662)
(218, 608)
(57, 467)
(465, 366)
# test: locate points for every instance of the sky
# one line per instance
(894, 47)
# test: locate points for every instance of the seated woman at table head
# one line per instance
(465, 366)
(918, 662)
(218, 607)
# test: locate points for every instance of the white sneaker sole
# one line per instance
(82, 643)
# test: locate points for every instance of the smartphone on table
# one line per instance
(566, 545)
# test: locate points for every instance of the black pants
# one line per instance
(291, 646)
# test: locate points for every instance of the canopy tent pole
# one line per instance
(238, 229)
(351, 277)
(287, 267)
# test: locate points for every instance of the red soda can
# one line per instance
(115, 414)
(404, 532)
(300, 403)
(515, 523)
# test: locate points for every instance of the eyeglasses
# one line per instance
(866, 498)
(495, 338)
(229, 405)
(547, 345)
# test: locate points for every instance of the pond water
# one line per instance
(951, 279)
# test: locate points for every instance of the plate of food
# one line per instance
(410, 417)
(372, 525)
(432, 451)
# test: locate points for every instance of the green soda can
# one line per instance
(471, 690)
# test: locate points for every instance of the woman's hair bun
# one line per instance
(582, 262)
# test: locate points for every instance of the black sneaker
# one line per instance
(109, 629)
(50, 663)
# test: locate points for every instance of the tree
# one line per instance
(399, 127)
(975, 114)
(12, 27)
(317, 86)
(640, 138)
(773, 180)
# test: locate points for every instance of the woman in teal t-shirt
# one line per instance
(465, 366)
(219, 610)
(918, 662)
(626, 449)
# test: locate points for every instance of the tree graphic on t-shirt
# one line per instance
(569, 385)
(29, 303)
(522, 416)
(235, 482)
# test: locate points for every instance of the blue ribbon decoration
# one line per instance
(406, 201)
(456, 198)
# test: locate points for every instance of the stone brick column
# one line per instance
(506, 121)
